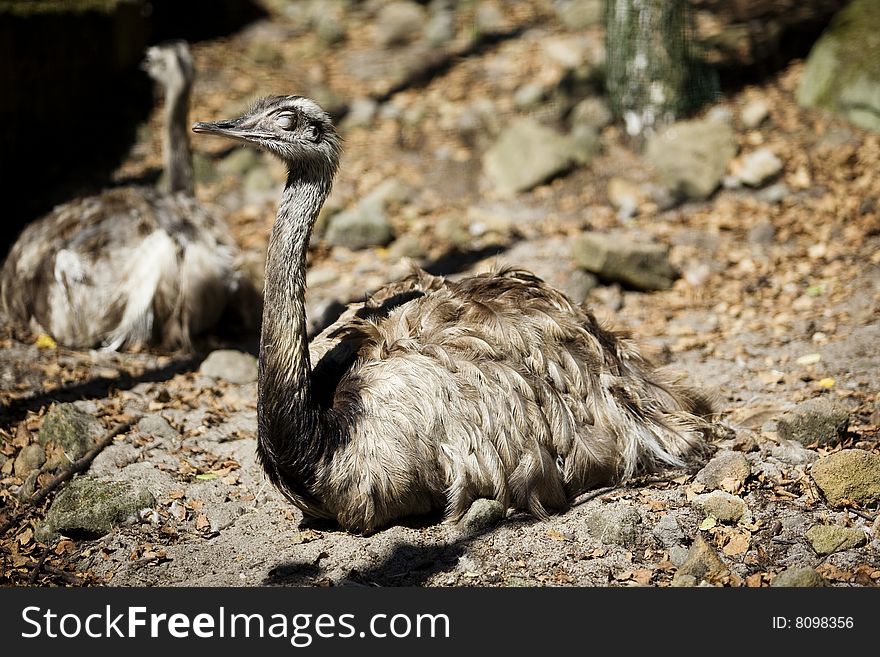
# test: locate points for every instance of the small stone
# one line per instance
(850, 475)
(815, 422)
(584, 144)
(802, 576)
(593, 112)
(774, 194)
(483, 514)
(528, 95)
(406, 246)
(90, 507)
(625, 197)
(724, 507)
(615, 523)
(762, 233)
(156, 425)
(726, 471)
(399, 22)
(31, 457)
(231, 365)
(70, 428)
(702, 564)
(754, 113)
(793, 452)
(239, 162)
(668, 531)
(827, 539)
(616, 258)
(692, 157)
(757, 167)
(526, 155)
(360, 114)
(579, 14)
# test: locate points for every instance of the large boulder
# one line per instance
(842, 73)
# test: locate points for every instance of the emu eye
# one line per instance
(285, 121)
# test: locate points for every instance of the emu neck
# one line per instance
(288, 418)
(175, 140)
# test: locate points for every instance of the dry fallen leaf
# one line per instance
(738, 544)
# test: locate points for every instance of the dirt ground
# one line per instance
(778, 302)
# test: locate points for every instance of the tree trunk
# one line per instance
(645, 61)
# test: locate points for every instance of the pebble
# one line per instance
(724, 506)
(827, 539)
(726, 471)
(702, 564)
(30, 457)
(231, 365)
(757, 167)
(483, 514)
(850, 475)
(802, 576)
(641, 265)
(615, 523)
(817, 421)
(399, 22)
(754, 113)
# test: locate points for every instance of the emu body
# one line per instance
(132, 266)
(434, 393)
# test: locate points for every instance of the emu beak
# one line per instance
(231, 129)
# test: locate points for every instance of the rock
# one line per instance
(802, 576)
(641, 265)
(406, 246)
(156, 425)
(816, 421)
(625, 197)
(691, 157)
(361, 227)
(230, 365)
(724, 507)
(757, 167)
(754, 113)
(30, 457)
(762, 233)
(668, 531)
(239, 162)
(70, 428)
(487, 17)
(702, 564)
(616, 523)
(850, 475)
(528, 95)
(826, 539)
(584, 144)
(90, 507)
(360, 114)
(366, 224)
(775, 193)
(579, 14)
(793, 452)
(525, 155)
(483, 514)
(399, 22)
(842, 71)
(441, 25)
(726, 471)
(593, 112)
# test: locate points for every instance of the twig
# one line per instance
(80, 464)
(866, 516)
(70, 578)
(77, 466)
(38, 567)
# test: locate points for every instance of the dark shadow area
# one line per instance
(198, 20)
(456, 260)
(96, 388)
(72, 94)
(407, 565)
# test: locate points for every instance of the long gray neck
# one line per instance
(288, 418)
(175, 140)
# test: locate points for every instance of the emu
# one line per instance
(434, 393)
(131, 267)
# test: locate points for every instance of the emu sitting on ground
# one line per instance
(132, 266)
(434, 393)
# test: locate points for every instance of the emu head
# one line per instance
(170, 64)
(293, 128)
